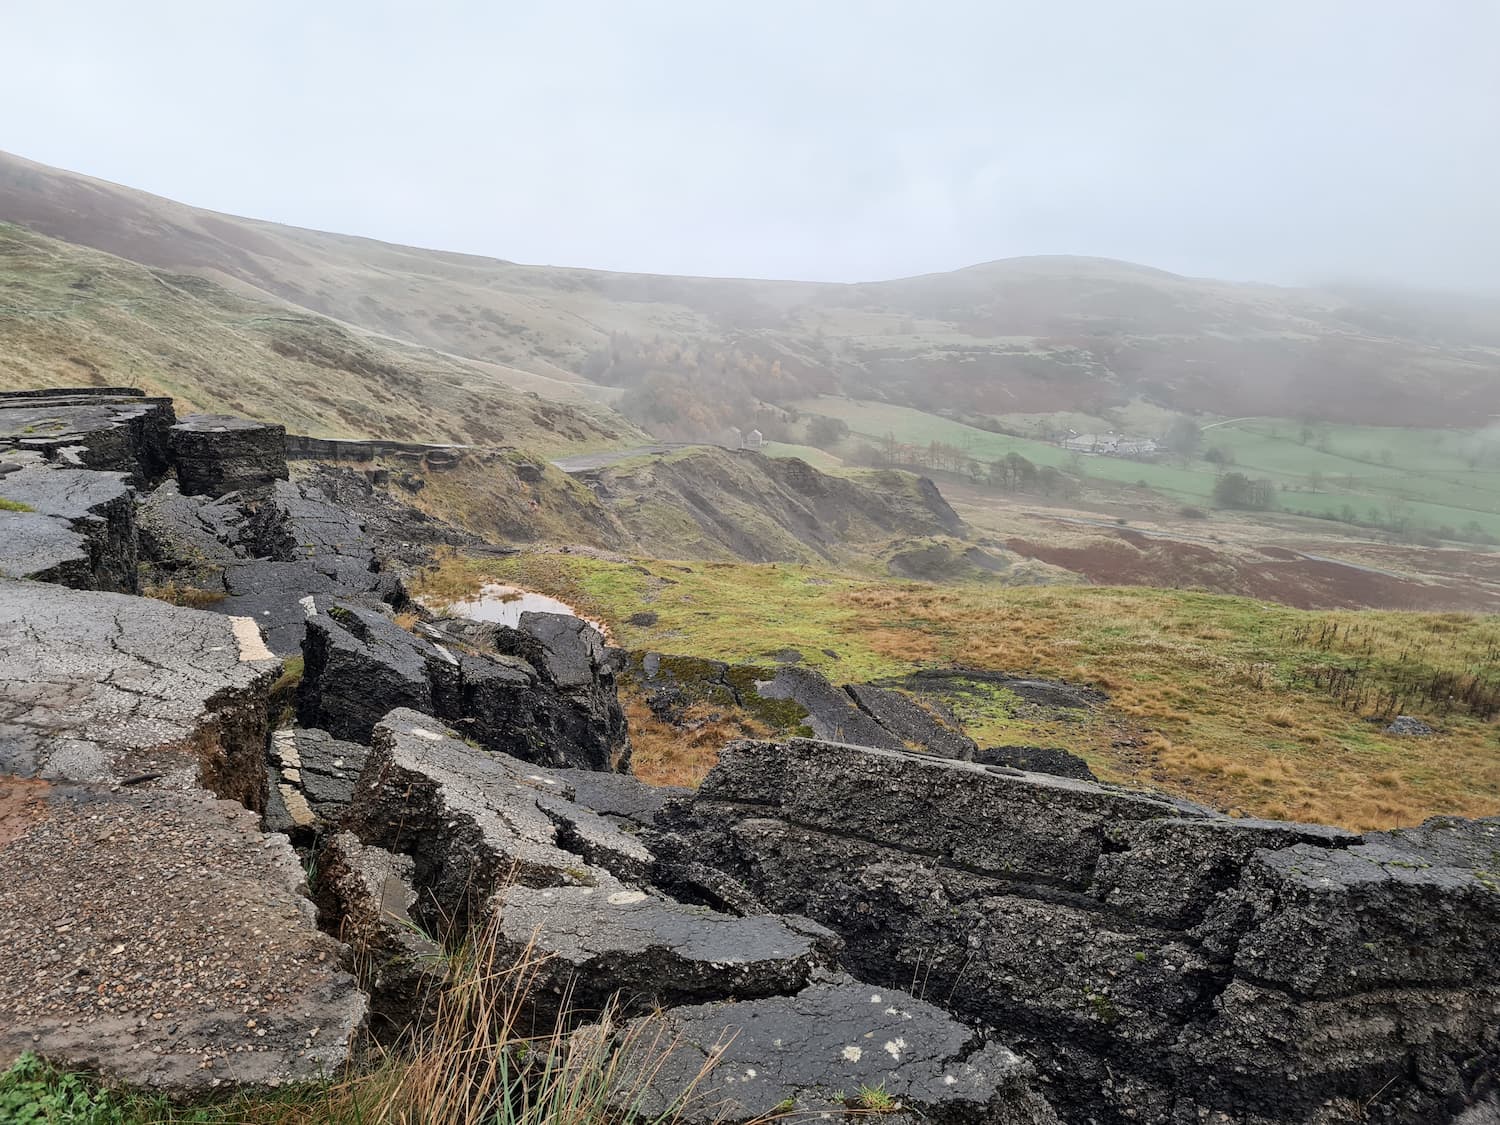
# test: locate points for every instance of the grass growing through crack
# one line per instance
(1225, 700)
(477, 1063)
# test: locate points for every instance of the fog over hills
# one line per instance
(1029, 334)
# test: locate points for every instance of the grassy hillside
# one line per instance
(1252, 707)
(70, 315)
(1024, 335)
(1433, 477)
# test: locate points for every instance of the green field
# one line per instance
(1428, 477)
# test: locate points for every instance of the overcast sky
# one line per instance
(1274, 140)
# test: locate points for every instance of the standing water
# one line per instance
(503, 605)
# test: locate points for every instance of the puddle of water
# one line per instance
(504, 605)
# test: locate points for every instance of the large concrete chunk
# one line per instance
(999, 822)
(99, 687)
(818, 1053)
(116, 429)
(1162, 962)
(549, 699)
(73, 526)
(474, 821)
(159, 938)
(604, 939)
(358, 665)
(1323, 922)
(216, 453)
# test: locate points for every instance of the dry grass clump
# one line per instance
(193, 597)
(664, 754)
(480, 1063)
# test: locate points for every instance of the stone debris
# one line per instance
(367, 899)
(1409, 726)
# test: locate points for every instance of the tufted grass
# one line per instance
(1214, 698)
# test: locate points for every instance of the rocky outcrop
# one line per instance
(544, 693)
(75, 527)
(217, 453)
(1160, 962)
(834, 1048)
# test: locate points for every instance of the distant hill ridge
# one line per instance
(1032, 334)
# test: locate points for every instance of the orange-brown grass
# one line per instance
(193, 597)
(1220, 724)
(663, 754)
(1211, 697)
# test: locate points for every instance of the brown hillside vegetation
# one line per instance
(1028, 334)
(73, 316)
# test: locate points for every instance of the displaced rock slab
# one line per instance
(1162, 963)
(1037, 759)
(217, 453)
(313, 775)
(159, 938)
(77, 527)
(619, 796)
(912, 723)
(545, 694)
(366, 893)
(473, 821)
(607, 938)
(831, 714)
(110, 428)
(98, 687)
(813, 1052)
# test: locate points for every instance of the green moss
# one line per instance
(7, 505)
